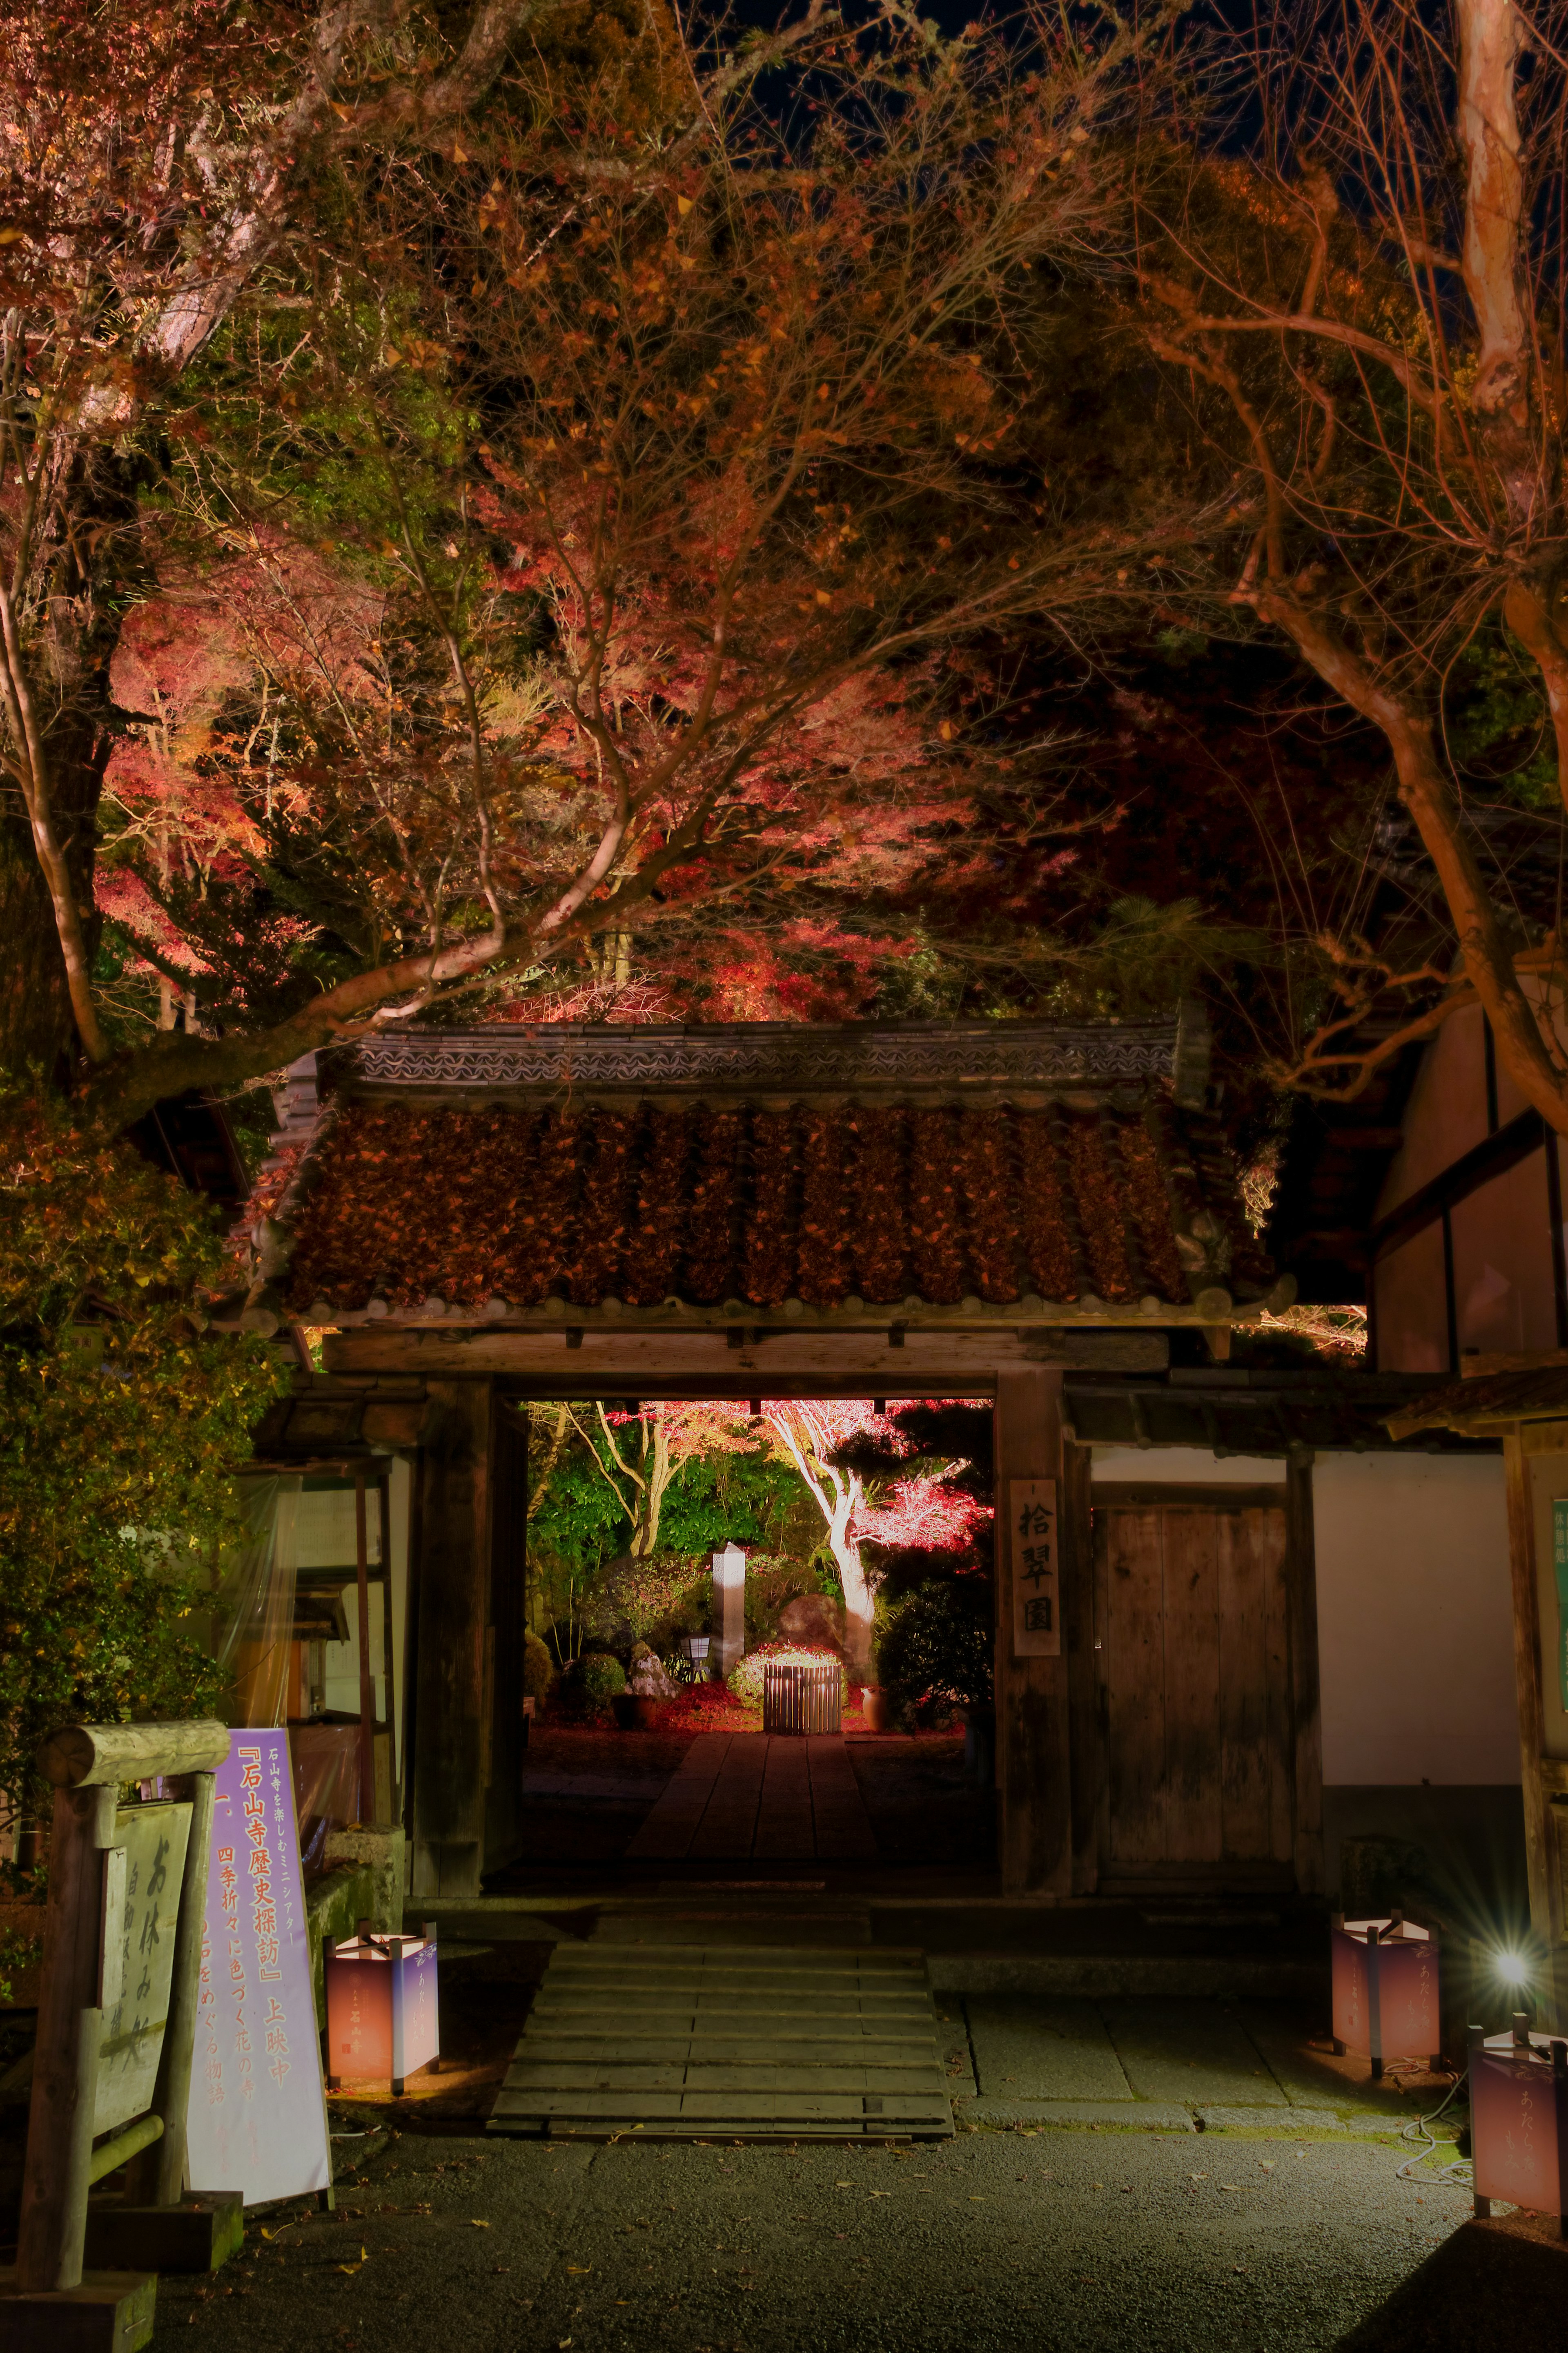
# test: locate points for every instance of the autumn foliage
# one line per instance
(585, 490)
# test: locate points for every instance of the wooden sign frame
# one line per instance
(92, 1910)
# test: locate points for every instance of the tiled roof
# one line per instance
(1488, 1403)
(809, 1205)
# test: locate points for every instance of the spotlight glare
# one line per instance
(1510, 1966)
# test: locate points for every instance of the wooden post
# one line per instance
(1301, 1596)
(384, 1512)
(1542, 1854)
(504, 1635)
(1083, 1665)
(1033, 1746)
(454, 1588)
(366, 1689)
(70, 2029)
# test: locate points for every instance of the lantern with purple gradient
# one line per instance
(1386, 1989)
(382, 2012)
(1518, 2120)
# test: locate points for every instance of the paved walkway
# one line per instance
(742, 1796)
(1165, 2066)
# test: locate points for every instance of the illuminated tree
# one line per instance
(1367, 315)
(821, 1436)
(580, 485)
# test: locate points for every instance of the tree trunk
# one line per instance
(857, 1601)
(37, 1032)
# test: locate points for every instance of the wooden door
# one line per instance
(1193, 1659)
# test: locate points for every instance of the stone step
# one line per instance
(720, 2042)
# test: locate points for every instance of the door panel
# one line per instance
(1196, 1681)
(1134, 1671)
(1245, 1775)
(1192, 1632)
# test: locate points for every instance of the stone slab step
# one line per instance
(720, 2042)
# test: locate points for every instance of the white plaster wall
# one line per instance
(327, 1536)
(1184, 1466)
(1415, 1620)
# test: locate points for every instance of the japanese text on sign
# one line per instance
(1034, 1555)
(255, 2120)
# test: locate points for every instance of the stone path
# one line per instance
(740, 1796)
(1161, 2064)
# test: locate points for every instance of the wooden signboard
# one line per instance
(116, 2034)
(1035, 1557)
(145, 1872)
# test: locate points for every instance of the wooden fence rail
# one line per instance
(803, 1699)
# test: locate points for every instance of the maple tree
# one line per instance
(553, 502)
(154, 163)
(1367, 313)
(822, 1437)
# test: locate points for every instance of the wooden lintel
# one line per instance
(705, 1364)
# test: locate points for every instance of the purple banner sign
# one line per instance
(257, 2122)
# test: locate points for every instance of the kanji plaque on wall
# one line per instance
(1036, 1584)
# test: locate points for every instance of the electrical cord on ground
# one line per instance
(1458, 2170)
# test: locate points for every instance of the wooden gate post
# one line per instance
(1033, 1751)
(47, 2300)
(70, 2029)
(1542, 1847)
(453, 1694)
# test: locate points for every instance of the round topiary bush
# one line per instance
(599, 1677)
(746, 1681)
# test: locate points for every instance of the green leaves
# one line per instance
(121, 1426)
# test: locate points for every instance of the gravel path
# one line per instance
(1077, 2240)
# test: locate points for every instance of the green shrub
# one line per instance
(937, 1646)
(540, 1671)
(16, 1952)
(746, 1681)
(599, 1677)
(121, 1422)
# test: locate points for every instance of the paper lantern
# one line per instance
(1386, 1990)
(382, 2010)
(1518, 2120)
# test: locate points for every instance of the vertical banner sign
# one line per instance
(1559, 1562)
(1037, 1585)
(257, 2121)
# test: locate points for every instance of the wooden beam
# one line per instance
(1302, 1589)
(1543, 1857)
(453, 1591)
(95, 1756)
(578, 1363)
(1033, 1748)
